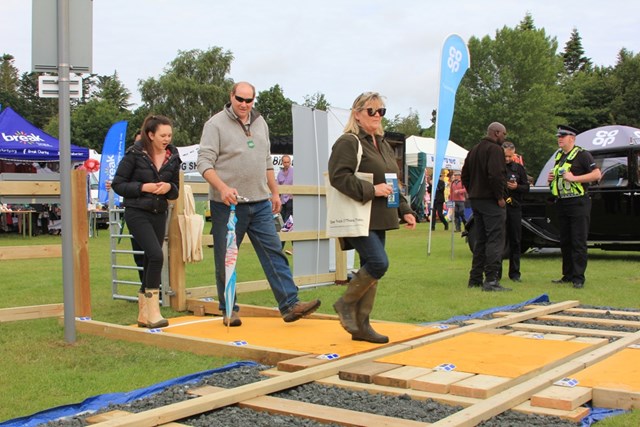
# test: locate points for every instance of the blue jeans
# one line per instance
(256, 220)
(373, 257)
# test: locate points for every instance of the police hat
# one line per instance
(566, 130)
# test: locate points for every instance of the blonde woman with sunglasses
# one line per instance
(364, 128)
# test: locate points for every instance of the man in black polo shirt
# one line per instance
(569, 181)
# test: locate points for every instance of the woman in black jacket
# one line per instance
(147, 177)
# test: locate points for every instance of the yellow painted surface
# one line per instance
(490, 354)
(306, 335)
(620, 372)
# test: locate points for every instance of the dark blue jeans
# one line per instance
(256, 220)
(373, 257)
(148, 230)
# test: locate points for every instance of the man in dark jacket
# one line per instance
(437, 206)
(483, 175)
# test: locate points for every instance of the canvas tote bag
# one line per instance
(191, 227)
(347, 217)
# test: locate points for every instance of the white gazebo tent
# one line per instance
(453, 159)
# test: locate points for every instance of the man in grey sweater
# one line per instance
(235, 160)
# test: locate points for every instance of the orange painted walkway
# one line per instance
(306, 335)
(489, 354)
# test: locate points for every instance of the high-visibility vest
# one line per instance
(559, 187)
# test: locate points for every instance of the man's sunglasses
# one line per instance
(371, 112)
(241, 99)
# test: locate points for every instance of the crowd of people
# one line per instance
(235, 144)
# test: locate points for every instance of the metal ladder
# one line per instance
(118, 253)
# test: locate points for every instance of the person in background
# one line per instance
(147, 177)
(437, 205)
(364, 127)
(483, 175)
(285, 177)
(458, 195)
(569, 181)
(235, 160)
(517, 185)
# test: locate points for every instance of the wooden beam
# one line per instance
(30, 188)
(321, 413)
(8, 253)
(80, 238)
(31, 312)
(201, 346)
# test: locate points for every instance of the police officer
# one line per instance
(517, 185)
(569, 180)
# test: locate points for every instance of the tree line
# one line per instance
(517, 77)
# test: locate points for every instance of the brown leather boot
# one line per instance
(300, 309)
(365, 331)
(154, 317)
(347, 304)
(142, 310)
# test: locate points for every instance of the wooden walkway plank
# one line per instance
(565, 329)
(615, 398)
(507, 399)
(439, 381)
(228, 397)
(480, 386)
(364, 373)
(400, 377)
(324, 414)
(591, 320)
(559, 397)
(31, 312)
(575, 415)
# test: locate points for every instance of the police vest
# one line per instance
(559, 186)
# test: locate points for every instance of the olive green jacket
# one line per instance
(342, 164)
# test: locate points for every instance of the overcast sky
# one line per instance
(337, 47)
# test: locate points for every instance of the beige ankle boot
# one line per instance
(154, 317)
(142, 310)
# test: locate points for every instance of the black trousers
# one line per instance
(148, 230)
(574, 216)
(514, 237)
(488, 233)
(437, 209)
(286, 210)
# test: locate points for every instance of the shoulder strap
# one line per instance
(359, 156)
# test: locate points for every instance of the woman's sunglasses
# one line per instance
(371, 112)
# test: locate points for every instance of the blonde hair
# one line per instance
(358, 105)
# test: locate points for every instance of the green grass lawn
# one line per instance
(40, 370)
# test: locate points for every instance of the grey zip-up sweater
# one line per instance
(239, 154)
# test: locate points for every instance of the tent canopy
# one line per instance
(453, 159)
(20, 141)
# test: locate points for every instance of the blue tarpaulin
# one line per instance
(22, 141)
(95, 403)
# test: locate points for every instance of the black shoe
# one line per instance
(516, 279)
(474, 285)
(561, 280)
(578, 285)
(494, 286)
